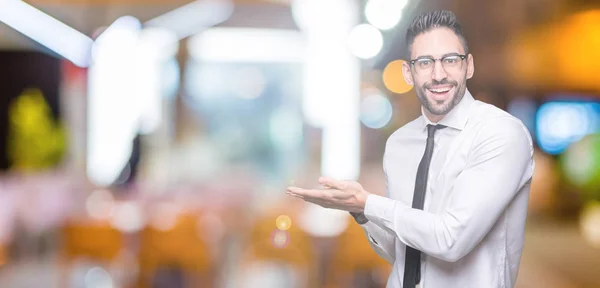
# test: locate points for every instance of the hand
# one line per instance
(337, 194)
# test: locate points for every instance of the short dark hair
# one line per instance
(434, 19)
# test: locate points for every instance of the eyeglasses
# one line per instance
(424, 65)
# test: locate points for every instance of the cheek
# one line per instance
(458, 77)
(420, 83)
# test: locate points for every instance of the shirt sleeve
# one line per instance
(499, 164)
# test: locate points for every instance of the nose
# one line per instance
(438, 71)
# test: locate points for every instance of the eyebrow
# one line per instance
(431, 57)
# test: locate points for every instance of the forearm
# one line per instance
(416, 228)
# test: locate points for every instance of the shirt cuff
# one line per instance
(359, 218)
(380, 210)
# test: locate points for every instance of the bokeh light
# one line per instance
(127, 217)
(280, 239)
(575, 50)
(164, 217)
(561, 123)
(375, 111)
(97, 277)
(329, 15)
(384, 14)
(251, 83)
(320, 222)
(365, 41)
(590, 224)
(581, 164)
(283, 222)
(393, 78)
(100, 204)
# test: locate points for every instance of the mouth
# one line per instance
(440, 93)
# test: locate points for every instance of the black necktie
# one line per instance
(412, 263)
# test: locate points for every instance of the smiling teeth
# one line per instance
(440, 90)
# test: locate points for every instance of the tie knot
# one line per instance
(432, 128)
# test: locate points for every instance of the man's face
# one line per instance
(439, 84)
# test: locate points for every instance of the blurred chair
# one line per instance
(178, 251)
(354, 263)
(95, 241)
(277, 258)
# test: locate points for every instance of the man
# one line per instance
(461, 223)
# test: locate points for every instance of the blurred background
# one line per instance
(148, 143)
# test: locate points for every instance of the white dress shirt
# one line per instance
(471, 229)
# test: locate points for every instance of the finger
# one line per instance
(296, 196)
(323, 202)
(333, 183)
(305, 192)
(314, 200)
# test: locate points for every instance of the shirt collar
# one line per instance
(457, 117)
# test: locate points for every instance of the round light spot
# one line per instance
(100, 204)
(384, 14)
(128, 217)
(393, 78)
(283, 222)
(375, 111)
(280, 239)
(320, 222)
(318, 15)
(578, 164)
(164, 216)
(581, 165)
(98, 278)
(365, 41)
(590, 224)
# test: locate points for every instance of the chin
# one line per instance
(438, 109)
(439, 106)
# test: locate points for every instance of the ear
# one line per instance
(406, 73)
(470, 66)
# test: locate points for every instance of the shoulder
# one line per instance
(409, 130)
(493, 124)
